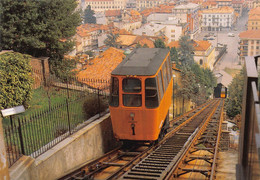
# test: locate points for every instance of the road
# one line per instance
(230, 59)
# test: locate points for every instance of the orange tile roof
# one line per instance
(85, 29)
(102, 66)
(198, 45)
(224, 9)
(250, 34)
(110, 13)
(254, 11)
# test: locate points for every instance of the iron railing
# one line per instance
(248, 166)
(39, 130)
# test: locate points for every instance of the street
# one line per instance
(230, 59)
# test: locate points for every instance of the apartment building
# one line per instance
(254, 19)
(249, 44)
(238, 6)
(103, 5)
(218, 19)
(87, 36)
(222, 3)
(144, 4)
(188, 13)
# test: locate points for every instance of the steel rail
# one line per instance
(213, 169)
(97, 165)
(182, 157)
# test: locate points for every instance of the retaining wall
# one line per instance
(80, 148)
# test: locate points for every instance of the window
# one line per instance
(170, 68)
(160, 84)
(151, 95)
(201, 61)
(114, 95)
(131, 85)
(165, 80)
(132, 100)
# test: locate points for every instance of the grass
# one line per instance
(232, 72)
(41, 125)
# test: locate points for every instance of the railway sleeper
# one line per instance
(155, 162)
(145, 164)
(139, 177)
(147, 174)
(202, 171)
(137, 169)
(160, 159)
(162, 155)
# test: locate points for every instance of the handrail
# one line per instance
(248, 166)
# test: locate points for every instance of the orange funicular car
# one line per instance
(140, 95)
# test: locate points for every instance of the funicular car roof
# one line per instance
(141, 62)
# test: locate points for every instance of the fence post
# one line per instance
(98, 104)
(21, 136)
(68, 114)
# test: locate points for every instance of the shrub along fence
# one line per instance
(39, 130)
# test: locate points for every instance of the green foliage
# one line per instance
(89, 17)
(90, 53)
(111, 40)
(174, 55)
(63, 69)
(140, 46)
(94, 105)
(235, 93)
(16, 80)
(39, 28)
(186, 50)
(159, 43)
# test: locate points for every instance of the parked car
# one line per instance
(211, 38)
(231, 35)
(207, 35)
(205, 39)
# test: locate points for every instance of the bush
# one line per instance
(94, 105)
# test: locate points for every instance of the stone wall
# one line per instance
(80, 148)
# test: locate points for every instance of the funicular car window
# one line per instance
(160, 84)
(114, 89)
(151, 95)
(165, 80)
(132, 100)
(170, 68)
(131, 85)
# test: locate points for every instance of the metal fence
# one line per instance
(60, 115)
(248, 166)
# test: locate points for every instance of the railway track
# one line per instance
(151, 161)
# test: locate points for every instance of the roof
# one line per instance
(110, 13)
(254, 17)
(142, 62)
(254, 11)
(85, 29)
(198, 45)
(250, 34)
(187, 6)
(102, 66)
(224, 9)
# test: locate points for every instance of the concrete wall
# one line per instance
(82, 147)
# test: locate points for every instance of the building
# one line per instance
(249, 44)
(144, 4)
(218, 19)
(103, 5)
(238, 6)
(254, 19)
(204, 53)
(162, 25)
(222, 3)
(87, 36)
(188, 13)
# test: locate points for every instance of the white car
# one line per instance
(231, 35)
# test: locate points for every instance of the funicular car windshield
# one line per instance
(131, 92)
(151, 95)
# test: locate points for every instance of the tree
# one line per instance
(16, 80)
(39, 28)
(111, 40)
(234, 100)
(186, 50)
(89, 17)
(159, 43)
(174, 55)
